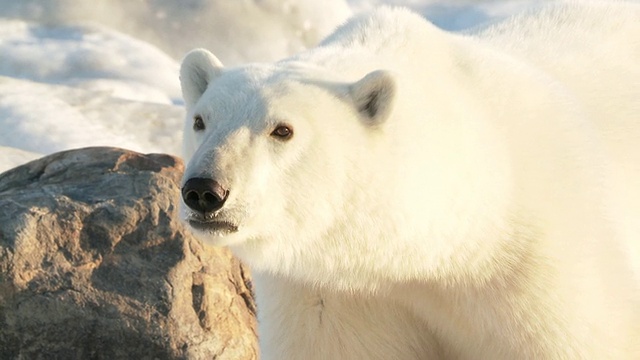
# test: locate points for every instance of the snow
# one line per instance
(45, 118)
(105, 72)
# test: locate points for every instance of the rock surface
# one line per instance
(94, 264)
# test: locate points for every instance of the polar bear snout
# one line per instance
(204, 195)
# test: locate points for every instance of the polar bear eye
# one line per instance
(198, 123)
(282, 132)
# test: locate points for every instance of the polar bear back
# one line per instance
(585, 47)
(591, 57)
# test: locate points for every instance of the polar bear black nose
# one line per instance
(204, 195)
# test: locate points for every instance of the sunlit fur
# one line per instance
(492, 213)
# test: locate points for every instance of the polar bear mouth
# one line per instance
(213, 226)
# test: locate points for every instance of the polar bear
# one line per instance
(401, 192)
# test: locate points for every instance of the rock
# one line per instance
(94, 264)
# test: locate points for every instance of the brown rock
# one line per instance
(94, 264)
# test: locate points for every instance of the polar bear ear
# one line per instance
(199, 67)
(373, 96)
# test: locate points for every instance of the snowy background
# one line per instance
(105, 72)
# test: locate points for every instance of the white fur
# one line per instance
(443, 196)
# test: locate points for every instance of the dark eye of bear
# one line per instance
(198, 123)
(282, 132)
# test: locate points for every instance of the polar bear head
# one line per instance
(271, 152)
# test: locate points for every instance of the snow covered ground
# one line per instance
(105, 72)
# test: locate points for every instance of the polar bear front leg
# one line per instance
(296, 321)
